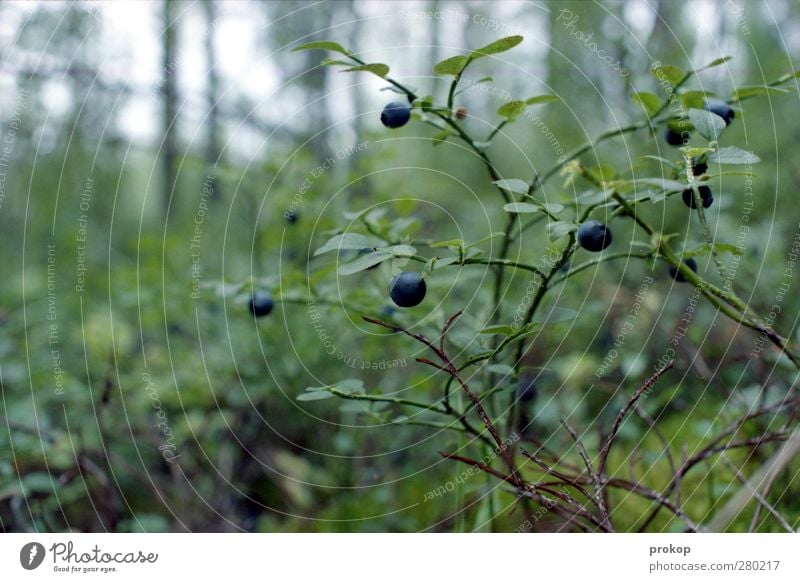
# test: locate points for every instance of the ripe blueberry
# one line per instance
(261, 303)
(677, 275)
(526, 388)
(698, 168)
(291, 216)
(594, 236)
(395, 114)
(675, 138)
(722, 109)
(705, 197)
(407, 289)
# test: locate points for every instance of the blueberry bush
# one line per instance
(478, 337)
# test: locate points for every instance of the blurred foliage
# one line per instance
(141, 395)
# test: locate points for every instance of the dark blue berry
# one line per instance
(395, 114)
(526, 388)
(291, 216)
(699, 168)
(705, 197)
(675, 138)
(722, 109)
(677, 275)
(407, 289)
(594, 236)
(261, 303)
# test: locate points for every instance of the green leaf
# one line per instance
(348, 386)
(715, 63)
(365, 262)
(707, 124)
(376, 68)
(441, 137)
(331, 62)
(498, 330)
(541, 99)
(669, 73)
(484, 239)
(496, 47)
(662, 184)
(400, 250)
(514, 185)
(705, 248)
(324, 45)
(733, 155)
(787, 77)
(694, 99)
(649, 101)
(552, 207)
(316, 395)
(349, 241)
(558, 229)
(512, 109)
(757, 91)
(521, 208)
(452, 66)
(455, 243)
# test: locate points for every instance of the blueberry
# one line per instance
(526, 388)
(291, 216)
(395, 114)
(699, 168)
(594, 236)
(677, 275)
(261, 303)
(722, 109)
(407, 289)
(675, 138)
(705, 196)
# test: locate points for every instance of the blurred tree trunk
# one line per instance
(316, 81)
(170, 97)
(435, 50)
(213, 149)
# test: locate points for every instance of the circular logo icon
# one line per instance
(31, 555)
